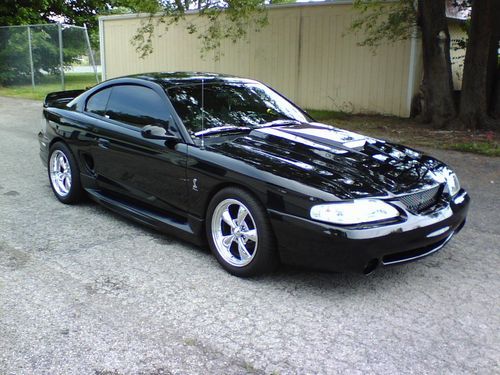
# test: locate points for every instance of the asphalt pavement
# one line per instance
(85, 291)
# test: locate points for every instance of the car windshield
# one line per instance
(230, 106)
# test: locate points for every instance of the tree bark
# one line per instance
(480, 66)
(495, 101)
(495, 112)
(437, 85)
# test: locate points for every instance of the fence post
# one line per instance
(91, 53)
(31, 59)
(61, 61)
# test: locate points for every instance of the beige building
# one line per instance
(306, 52)
(457, 54)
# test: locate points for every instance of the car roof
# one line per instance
(172, 79)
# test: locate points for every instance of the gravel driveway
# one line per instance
(84, 291)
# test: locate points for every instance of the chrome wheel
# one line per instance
(60, 173)
(234, 232)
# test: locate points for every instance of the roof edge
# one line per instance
(270, 6)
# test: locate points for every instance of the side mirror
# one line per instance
(158, 132)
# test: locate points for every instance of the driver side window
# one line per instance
(137, 106)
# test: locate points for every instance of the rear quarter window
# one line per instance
(97, 102)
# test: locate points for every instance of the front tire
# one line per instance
(64, 174)
(239, 233)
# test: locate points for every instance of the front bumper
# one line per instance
(334, 248)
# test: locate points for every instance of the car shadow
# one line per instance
(290, 278)
(340, 282)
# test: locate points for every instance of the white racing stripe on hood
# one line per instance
(301, 140)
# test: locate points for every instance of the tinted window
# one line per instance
(97, 102)
(137, 105)
(237, 104)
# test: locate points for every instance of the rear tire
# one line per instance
(64, 174)
(239, 233)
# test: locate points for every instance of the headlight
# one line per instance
(354, 212)
(450, 178)
(453, 183)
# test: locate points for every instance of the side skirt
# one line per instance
(190, 230)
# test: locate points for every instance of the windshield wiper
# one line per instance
(284, 121)
(221, 129)
(233, 128)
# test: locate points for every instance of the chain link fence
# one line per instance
(50, 56)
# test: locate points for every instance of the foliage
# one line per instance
(216, 21)
(14, 51)
(14, 56)
(15, 66)
(74, 12)
(461, 43)
(383, 21)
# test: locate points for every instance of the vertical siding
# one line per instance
(305, 52)
(457, 55)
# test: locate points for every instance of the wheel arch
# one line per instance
(75, 192)
(270, 256)
(68, 145)
(224, 185)
(76, 155)
(55, 140)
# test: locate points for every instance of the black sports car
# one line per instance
(228, 160)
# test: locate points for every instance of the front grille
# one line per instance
(417, 202)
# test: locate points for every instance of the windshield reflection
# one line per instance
(231, 104)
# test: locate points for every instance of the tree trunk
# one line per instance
(480, 65)
(495, 112)
(437, 85)
(495, 100)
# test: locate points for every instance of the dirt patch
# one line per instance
(414, 134)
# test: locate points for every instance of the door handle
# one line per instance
(103, 143)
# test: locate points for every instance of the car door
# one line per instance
(149, 171)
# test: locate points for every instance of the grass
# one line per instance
(321, 115)
(484, 148)
(412, 133)
(72, 81)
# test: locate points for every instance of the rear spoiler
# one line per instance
(60, 98)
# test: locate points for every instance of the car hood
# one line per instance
(340, 162)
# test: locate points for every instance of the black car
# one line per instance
(227, 160)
